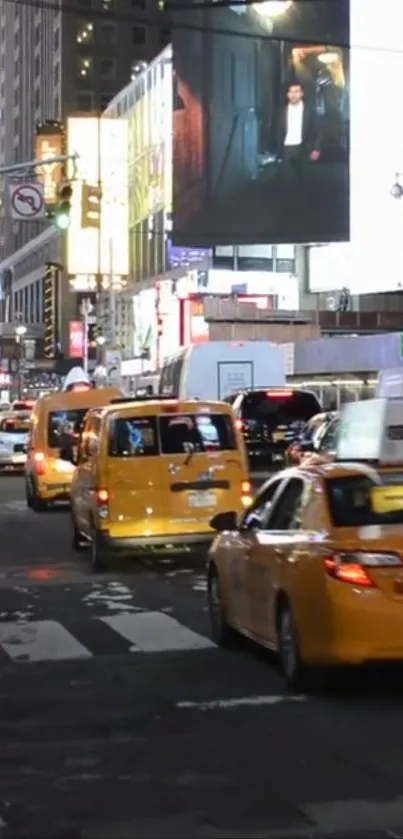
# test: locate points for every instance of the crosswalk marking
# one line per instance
(155, 632)
(40, 641)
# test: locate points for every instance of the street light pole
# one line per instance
(20, 332)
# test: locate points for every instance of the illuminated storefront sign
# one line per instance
(89, 251)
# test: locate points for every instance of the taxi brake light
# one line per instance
(102, 496)
(347, 570)
(246, 487)
(80, 388)
(40, 460)
(239, 424)
(170, 409)
(279, 394)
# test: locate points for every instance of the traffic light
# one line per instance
(91, 206)
(49, 311)
(63, 206)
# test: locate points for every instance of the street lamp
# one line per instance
(20, 331)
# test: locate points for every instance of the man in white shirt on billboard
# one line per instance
(298, 135)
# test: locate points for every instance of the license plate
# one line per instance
(203, 499)
(278, 436)
(19, 458)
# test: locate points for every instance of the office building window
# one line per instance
(37, 67)
(85, 101)
(84, 66)
(165, 36)
(107, 35)
(56, 39)
(138, 35)
(139, 4)
(56, 73)
(107, 68)
(84, 4)
(56, 106)
(108, 5)
(37, 98)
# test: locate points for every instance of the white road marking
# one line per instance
(113, 595)
(240, 702)
(154, 632)
(7, 507)
(40, 641)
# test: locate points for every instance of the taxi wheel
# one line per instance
(33, 501)
(222, 632)
(292, 666)
(98, 557)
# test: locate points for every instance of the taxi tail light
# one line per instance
(246, 494)
(40, 463)
(103, 503)
(352, 567)
(239, 424)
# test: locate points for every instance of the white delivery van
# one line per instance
(216, 369)
(390, 383)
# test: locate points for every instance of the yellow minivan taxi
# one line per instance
(150, 474)
(55, 415)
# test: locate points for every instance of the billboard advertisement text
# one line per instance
(261, 124)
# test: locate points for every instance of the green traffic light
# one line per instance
(63, 221)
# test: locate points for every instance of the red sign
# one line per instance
(76, 339)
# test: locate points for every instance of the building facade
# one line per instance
(54, 63)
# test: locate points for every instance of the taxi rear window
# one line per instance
(133, 437)
(350, 504)
(64, 424)
(14, 426)
(182, 433)
(174, 434)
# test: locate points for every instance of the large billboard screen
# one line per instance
(102, 149)
(261, 123)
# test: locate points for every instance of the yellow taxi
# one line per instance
(150, 473)
(55, 421)
(314, 568)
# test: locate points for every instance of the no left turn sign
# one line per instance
(27, 201)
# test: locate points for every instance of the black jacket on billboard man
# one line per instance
(298, 136)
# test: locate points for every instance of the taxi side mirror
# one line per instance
(224, 521)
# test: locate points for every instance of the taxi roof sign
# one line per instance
(372, 430)
(76, 376)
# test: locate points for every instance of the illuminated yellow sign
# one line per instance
(102, 148)
(47, 145)
(387, 499)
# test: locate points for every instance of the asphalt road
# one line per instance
(119, 718)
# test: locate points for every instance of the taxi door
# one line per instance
(86, 474)
(266, 560)
(243, 551)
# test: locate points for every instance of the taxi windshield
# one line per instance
(351, 502)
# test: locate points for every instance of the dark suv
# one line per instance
(270, 420)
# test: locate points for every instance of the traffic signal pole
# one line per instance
(36, 164)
